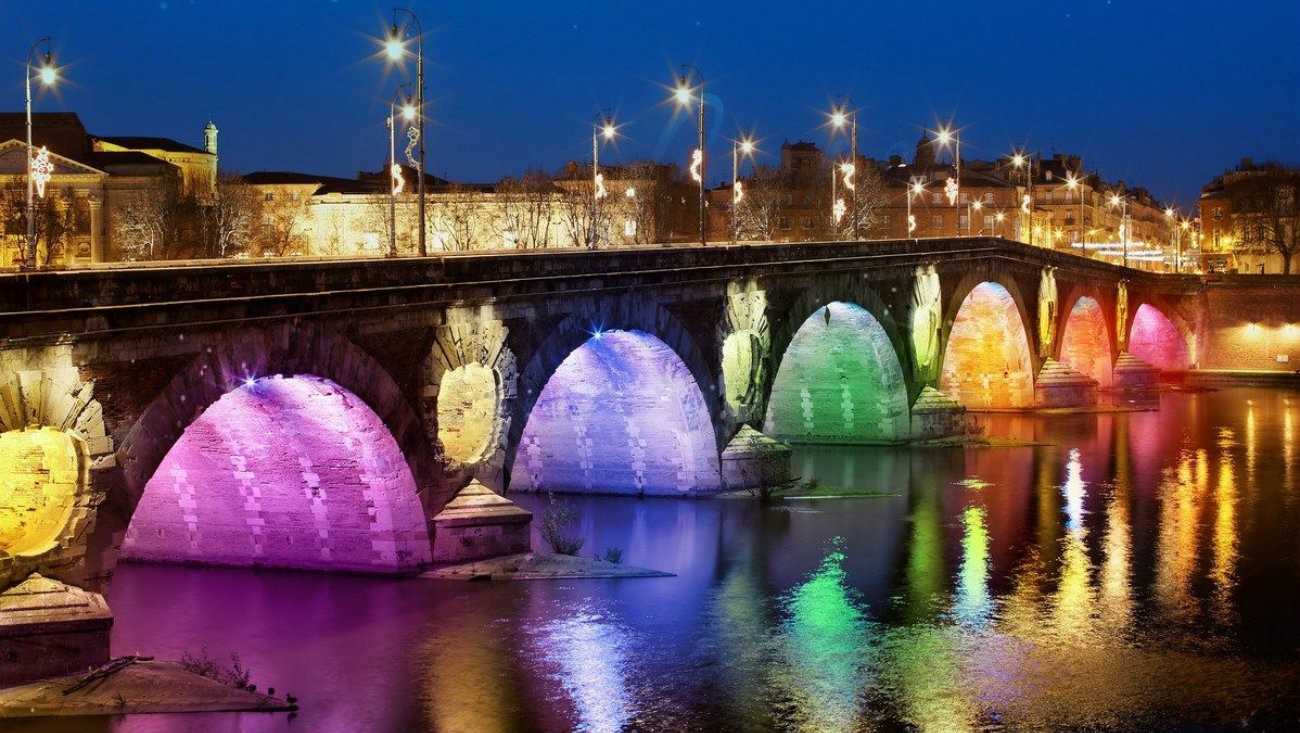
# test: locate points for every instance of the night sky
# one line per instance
(1164, 95)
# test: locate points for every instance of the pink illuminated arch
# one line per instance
(1155, 339)
(288, 473)
(1085, 342)
(986, 363)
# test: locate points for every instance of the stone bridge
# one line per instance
(322, 414)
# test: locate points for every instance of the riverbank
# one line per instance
(148, 686)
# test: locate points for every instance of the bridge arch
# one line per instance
(617, 399)
(1086, 340)
(988, 355)
(261, 376)
(840, 378)
(53, 449)
(1159, 338)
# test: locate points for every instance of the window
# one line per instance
(987, 226)
(964, 198)
(268, 196)
(963, 223)
(886, 220)
(988, 197)
(936, 198)
(629, 228)
(1069, 196)
(936, 221)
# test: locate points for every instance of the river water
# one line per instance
(1137, 571)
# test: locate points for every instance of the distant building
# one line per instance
(1250, 218)
(95, 182)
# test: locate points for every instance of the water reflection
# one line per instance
(1138, 571)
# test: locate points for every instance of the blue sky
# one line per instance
(1164, 95)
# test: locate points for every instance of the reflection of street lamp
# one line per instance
(1120, 201)
(684, 95)
(743, 146)
(48, 74)
(395, 48)
(840, 116)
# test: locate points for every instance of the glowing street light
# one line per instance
(48, 75)
(1120, 201)
(395, 48)
(915, 190)
(999, 218)
(1074, 182)
(603, 129)
(946, 136)
(685, 94)
(842, 116)
(975, 206)
(744, 146)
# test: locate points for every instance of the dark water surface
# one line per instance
(1140, 571)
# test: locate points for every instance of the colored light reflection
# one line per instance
(1085, 346)
(1155, 339)
(1176, 546)
(840, 381)
(974, 602)
(590, 651)
(986, 363)
(621, 415)
(824, 640)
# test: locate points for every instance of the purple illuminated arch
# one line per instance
(1155, 339)
(1085, 342)
(288, 473)
(621, 414)
(986, 362)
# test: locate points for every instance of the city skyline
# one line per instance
(1152, 99)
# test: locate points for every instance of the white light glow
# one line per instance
(49, 76)
(847, 170)
(837, 211)
(738, 193)
(399, 183)
(600, 186)
(697, 162)
(950, 190)
(42, 170)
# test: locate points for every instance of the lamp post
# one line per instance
(395, 181)
(1178, 242)
(999, 218)
(684, 94)
(970, 217)
(395, 47)
(943, 137)
(48, 75)
(603, 128)
(1120, 201)
(743, 146)
(1020, 161)
(841, 116)
(915, 189)
(1074, 182)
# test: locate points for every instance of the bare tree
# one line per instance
(57, 217)
(150, 224)
(1266, 211)
(460, 215)
(228, 223)
(863, 208)
(761, 205)
(527, 206)
(282, 220)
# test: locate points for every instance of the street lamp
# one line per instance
(999, 218)
(1020, 161)
(684, 94)
(1074, 182)
(844, 115)
(970, 217)
(396, 50)
(48, 75)
(743, 146)
(944, 136)
(1120, 201)
(915, 189)
(395, 181)
(604, 128)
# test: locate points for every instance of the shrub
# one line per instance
(233, 676)
(555, 520)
